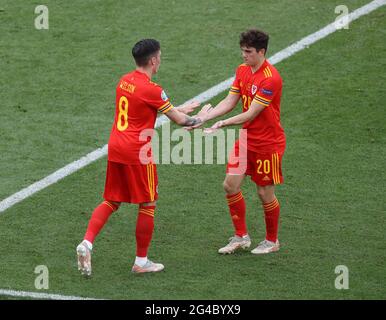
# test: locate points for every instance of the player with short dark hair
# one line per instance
(143, 50)
(130, 176)
(259, 85)
(254, 39)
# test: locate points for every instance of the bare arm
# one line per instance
(189, 107)
(225, 106)
(182, 119)
(254, 109)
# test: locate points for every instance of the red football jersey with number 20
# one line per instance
(264, 132)
(137, 102)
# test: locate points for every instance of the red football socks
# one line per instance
(98, 219)
(271, 213)
(236, 204)
(144, 229)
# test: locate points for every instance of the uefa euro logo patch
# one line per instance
(164, 97)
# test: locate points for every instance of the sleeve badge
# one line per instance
(164, 97)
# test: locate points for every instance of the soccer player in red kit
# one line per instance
(130, 176)
(259, 85)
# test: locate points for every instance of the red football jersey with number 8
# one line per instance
(137, 102)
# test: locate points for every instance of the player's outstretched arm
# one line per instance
(189, 107)
(226, 105)
(254, 109)
(184, 120)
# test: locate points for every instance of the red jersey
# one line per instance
(137, 102)
(264, 132)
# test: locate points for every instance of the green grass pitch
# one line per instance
(57, 104)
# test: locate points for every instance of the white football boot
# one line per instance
(84, 258)
(236, 243)
(266, 246)
(149, 266)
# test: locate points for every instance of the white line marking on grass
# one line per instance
(324, 32)
(39, 295)
(52, 178)
(203, 97)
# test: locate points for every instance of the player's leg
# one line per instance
(237, 169)
(268, 174)
(100, 215)
(271, 209)
(98, 219)
(236, 204)
(144, 231)
(143, 234)
(145, 221)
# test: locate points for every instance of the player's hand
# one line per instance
(204, 112)
(215, 127)
(189, 107)
(202, 115)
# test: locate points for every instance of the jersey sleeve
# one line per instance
(157, 99)
(266, 92)
(235, 88)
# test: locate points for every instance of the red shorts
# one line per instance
(131, 183)
(264, 168)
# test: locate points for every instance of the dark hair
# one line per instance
(254, 38)
(144, 50)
